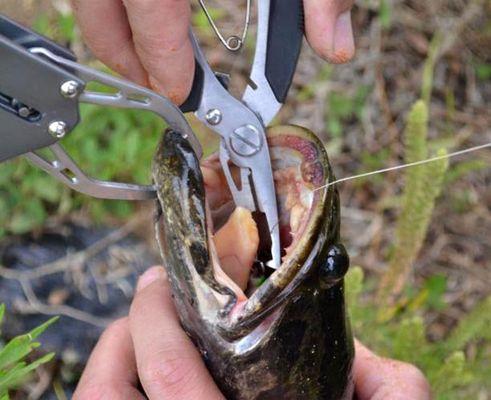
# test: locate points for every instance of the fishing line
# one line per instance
(412, 164)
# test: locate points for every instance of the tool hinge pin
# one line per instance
(70, 89)
(57, 129)
(246, 140)
(214, 116)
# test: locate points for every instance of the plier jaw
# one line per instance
(241, 124)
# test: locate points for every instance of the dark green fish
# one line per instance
(286, 335)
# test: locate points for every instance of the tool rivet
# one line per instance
(70, 89)
(246, 140)
(24, 112)
(57, 129)
(214, 116)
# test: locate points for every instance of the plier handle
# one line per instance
(41, 86)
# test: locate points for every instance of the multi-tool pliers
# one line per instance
(42, 85)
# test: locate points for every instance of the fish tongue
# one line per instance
(237, 244)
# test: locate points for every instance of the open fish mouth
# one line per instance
(264, 334)
(241, 238)
(231, 284)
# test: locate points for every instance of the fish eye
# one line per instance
(335, 265)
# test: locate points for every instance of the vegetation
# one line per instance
(112, 145)
(423, 185)
(14, 368)
(397, 329)
(457, 367)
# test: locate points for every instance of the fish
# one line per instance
(263, 334)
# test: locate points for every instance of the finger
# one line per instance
(378, 378)
(329, 30)
(169, 365)
(161, 36)
(111, 370)
(106, 30)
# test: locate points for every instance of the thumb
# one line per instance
(169, 366)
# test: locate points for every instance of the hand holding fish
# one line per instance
(262, 334)
(148, 42)
(150, 347)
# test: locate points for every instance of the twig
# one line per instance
(34, 305)
(39, 388)
(79, 257)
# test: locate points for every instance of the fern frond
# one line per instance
(410, 334)
(451, 375)
(423, 185)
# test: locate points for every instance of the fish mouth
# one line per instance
(239, 240)
(215, 253)
(262, 333)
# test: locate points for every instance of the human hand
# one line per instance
(378, 378)
(147, 40)
(150, 347)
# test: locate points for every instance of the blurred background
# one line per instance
(419, 239)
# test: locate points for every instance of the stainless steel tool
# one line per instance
(42, 85)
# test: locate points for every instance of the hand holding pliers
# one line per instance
(41, 86)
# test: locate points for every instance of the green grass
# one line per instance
(14, 367)
(458, 366)
(109, 144)
(342, 108)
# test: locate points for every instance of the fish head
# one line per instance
(238, 311)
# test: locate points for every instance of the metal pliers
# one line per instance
(41, 86)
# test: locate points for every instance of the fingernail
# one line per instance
(149, 276)
(344, 46)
